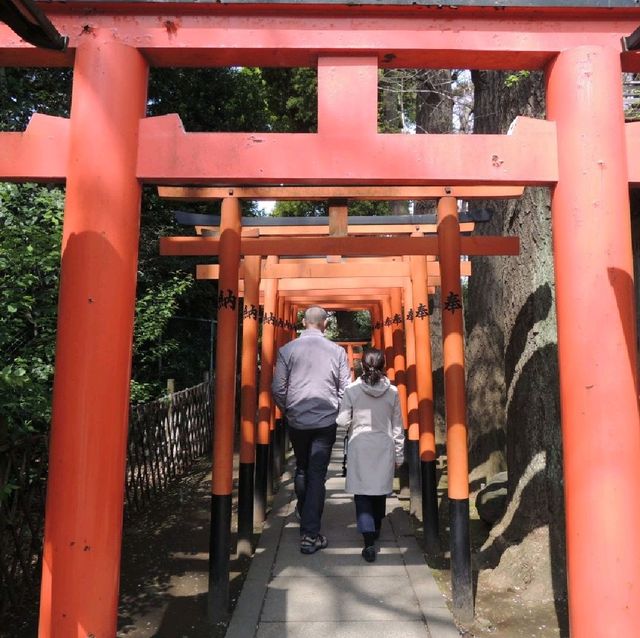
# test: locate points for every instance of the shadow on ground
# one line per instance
(165, 557)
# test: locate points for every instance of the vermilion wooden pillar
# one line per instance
(399, 364)
(598, 385)
(412, 446)
(275, 423)
(387, 337)
(286, 337)
(398, 350)
(424, 379)
(249, 396)
(224, 409)
(264, 397)
(87, 457)
(455, 408)
(376, 330)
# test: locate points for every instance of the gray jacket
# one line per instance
(309, 380)
(376, 436)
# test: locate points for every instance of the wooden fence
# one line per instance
(165, 438)
(23, 475)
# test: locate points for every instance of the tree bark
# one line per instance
(512, 369)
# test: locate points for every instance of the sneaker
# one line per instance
(369, 554)
(311, 544)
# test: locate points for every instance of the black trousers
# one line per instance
(370, 511)
(313, 452)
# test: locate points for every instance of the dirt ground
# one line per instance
(500, 612)
(165, 565)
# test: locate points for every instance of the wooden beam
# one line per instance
(168, 154)
(331, 285)
(323, 193)
(39, 154)
(323, 230)
(338, 221)
(336, 272)
(293, 35)
(349, 246)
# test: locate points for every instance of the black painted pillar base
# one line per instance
(403, 474)
(276, 439)
(412, 450)
(270, 480)
(430, 508)
(283, 445)
(261, 480)
(245, 508)
(219, 545)
(461, 576)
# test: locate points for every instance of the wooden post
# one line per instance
(350, 361)
(224, 409)
(264, 397)
(249, 403)
(387, 338)
(397, 335)
(412, 446)
(597, 359)
(455, 408)
(376, 323)
(276, 415)
(424, 379)
(87, 454)
(397, 331)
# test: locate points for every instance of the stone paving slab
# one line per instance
(382, 629)
(334, 593)
(334, 599)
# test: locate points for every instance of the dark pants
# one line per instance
(313, 452)
(370, 511)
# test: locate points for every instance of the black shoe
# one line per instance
(369, 554)
(311, 544)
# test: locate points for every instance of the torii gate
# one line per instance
(584, 152)
(422, 445)
(448, 245)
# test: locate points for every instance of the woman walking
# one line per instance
(370, 408)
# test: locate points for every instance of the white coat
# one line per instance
(376, 436)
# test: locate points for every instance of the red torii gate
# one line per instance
(108, 148)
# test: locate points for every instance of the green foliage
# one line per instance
(30, 232)
(153, 312)
(513, 79)
(291, 97)
(320, 209)
(24, 92)
(353, 325)
(174, 314)
(215, 99)
(300, 209)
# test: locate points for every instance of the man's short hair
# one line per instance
(315, 316)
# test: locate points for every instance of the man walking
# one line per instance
(309, 381)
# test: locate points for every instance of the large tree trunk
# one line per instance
(512, 370)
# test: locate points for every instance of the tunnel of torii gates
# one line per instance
(583, 151)
(392, 289)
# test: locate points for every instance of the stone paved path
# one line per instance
(334, 593)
